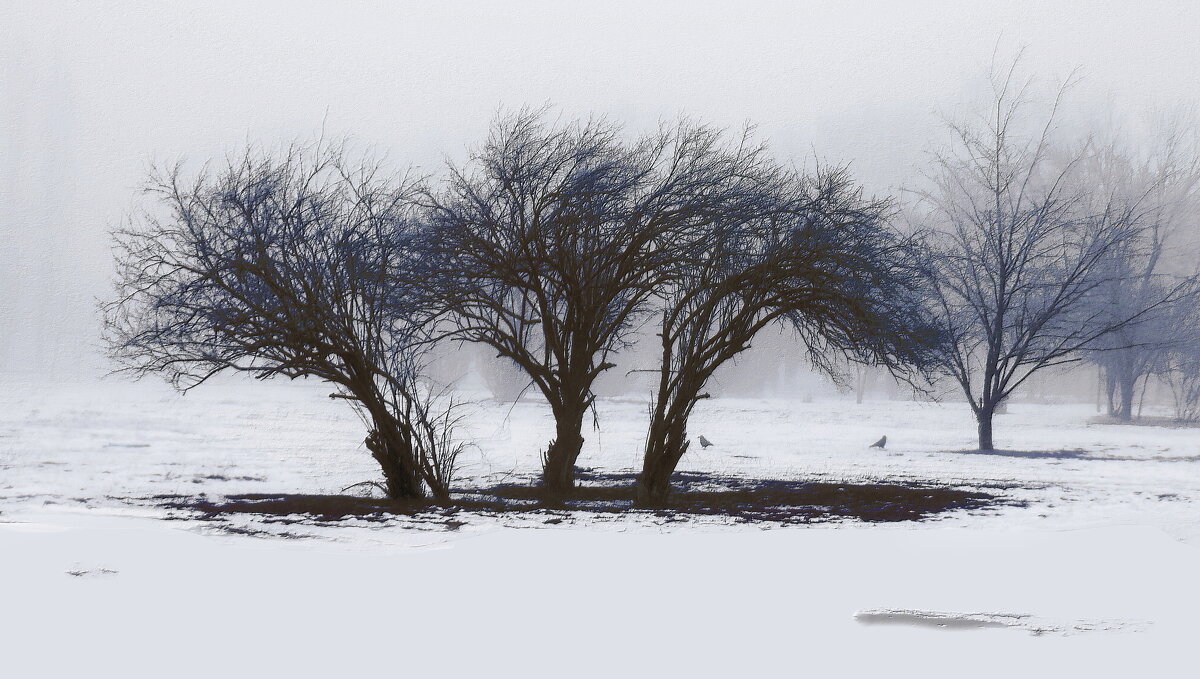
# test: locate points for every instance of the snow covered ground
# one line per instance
(1095, 575)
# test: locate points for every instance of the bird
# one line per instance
(880, 443)
(704, 443)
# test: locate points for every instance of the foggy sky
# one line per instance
(92, 93)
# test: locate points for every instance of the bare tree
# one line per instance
(548, 246)
(1181, 364)
(1019, 251)
(297, 264)
(1161, 189)
(778, 247)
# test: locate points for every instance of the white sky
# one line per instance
(91, 93)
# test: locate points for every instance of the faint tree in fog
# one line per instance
(503, 378)
(547, 246)
(777, 246)
(1143, 272)
(296, 264)
(1181, 363)
(1019, 251)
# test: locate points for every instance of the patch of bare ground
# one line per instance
(694, 495)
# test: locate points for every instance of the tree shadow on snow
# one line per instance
(1075, 454)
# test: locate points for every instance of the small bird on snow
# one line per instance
(880, 443)
(704, 443)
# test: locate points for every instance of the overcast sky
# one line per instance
(92, 92)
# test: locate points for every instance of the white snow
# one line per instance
(1102, 560)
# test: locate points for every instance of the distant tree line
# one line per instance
(556, 242)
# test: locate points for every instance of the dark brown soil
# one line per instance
(746, 500)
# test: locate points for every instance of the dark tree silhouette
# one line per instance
(296, 264)
(548, 245)
(776, 247)
(1019, 248)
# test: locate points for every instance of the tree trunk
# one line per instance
(558, 469)
(395, 456)
(390, 445)
(1142, 399)
(1110, 391)
(984, 417)
(665, 445)
(1127, 387)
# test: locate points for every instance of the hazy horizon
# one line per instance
(91, 95)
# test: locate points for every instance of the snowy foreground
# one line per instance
(1095, 574)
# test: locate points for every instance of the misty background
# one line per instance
(91, 94)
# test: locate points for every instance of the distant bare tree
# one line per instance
(503, 378)
(1181, 364)
(296, 264)
(777, 247)
(1019, 252)
(864, 378)
(1144, 272)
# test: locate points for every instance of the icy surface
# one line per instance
(965, 621)
(1107, 537)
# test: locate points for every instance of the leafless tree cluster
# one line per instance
(1181, 364)
(550, 247)
(559, 244)
(556, 241)
(1145, 273)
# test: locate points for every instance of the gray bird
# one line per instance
(880, 443)
(704, 443)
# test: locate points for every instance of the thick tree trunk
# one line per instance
(396, 459)
(558, 470)
(665, 445)
(389, 445)
(984, 417)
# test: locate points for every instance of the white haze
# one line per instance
(92, 93)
